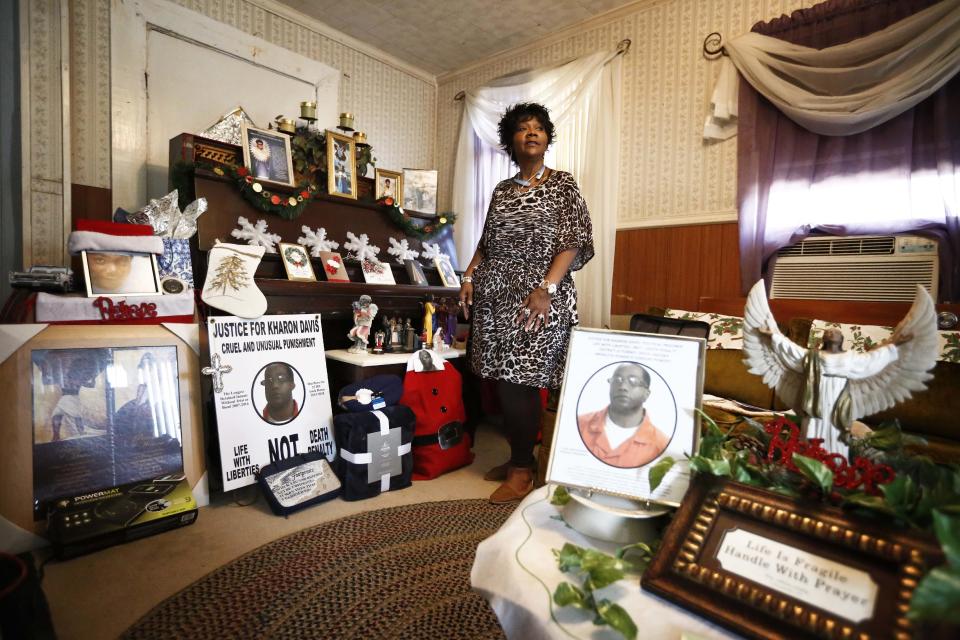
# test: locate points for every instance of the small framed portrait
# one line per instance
(341, 165)
(333, 266)
(447, 274)
(628, 400)
(420, 190)
(123, 273)
(389, 185)
(267, 155)
(296, 262)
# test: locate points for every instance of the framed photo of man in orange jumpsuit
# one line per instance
(628, 400)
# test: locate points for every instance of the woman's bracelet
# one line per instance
(466, 279)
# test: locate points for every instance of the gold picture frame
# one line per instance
(270, 168)
(341, 165)
(297, 263)
(394, 190)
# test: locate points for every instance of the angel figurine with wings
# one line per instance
(830, 388)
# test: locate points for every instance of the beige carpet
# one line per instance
(102, 594)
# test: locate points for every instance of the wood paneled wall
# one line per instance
(675, 266)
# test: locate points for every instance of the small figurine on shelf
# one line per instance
(450, 328)
(396, 339)
(438, 344)
(429, 308)
(409, 337)
(378, 340)
(364, 311)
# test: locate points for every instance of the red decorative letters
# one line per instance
(123, 311)
(845, 475)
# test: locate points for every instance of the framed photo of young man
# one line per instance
(628, 400)
(341, 165)
(389, 185)
(123, 273)
(267, 155)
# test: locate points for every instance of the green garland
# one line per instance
(402, 219)
(256, 193)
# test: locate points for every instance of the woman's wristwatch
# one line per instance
(549, 287)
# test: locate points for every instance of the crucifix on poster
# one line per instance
(271, 392)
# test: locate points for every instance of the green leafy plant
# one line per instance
(597, 570)
(937, 597)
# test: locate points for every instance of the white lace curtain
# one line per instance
(583, 97)
(848, 88)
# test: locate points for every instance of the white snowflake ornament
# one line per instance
(316, 240)
(360, 248)
(431, 250)
(256, 235)
(401, 250)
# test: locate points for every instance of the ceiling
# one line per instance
(440, 36)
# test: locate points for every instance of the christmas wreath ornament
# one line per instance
(256, 235)
(295, 256)
(316, 241)
(229, 285)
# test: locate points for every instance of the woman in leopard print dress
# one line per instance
(518, 288)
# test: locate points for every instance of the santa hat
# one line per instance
(99, 235)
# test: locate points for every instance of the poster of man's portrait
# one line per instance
(120, 273)
(420, 190)
(341, 165)
(389, 185)
(278, 393)
(267, 155)
(628, 401)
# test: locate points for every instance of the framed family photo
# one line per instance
(628, 400)
(420, 190)
(341, 165)
(389, 185)
(123, 273)
(267, 155)
(296, 262)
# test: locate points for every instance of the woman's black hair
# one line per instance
(517, 114)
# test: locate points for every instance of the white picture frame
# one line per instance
(420, 190)
(605, 376)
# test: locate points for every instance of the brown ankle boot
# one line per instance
(499, 472)
(519, 483)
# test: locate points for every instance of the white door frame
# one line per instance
(130, 20)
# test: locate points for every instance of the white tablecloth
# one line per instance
(515, 570)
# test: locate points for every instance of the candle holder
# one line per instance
(308, 111)
(286, 125)
(360, 138)
(346, 122)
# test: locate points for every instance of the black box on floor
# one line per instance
(104, 518)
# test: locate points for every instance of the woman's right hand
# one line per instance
(466, 298)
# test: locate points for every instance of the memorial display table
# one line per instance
(345, 368)
(515, 570)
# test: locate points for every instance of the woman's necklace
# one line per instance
(532, 181)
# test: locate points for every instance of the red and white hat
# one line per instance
(99, 235)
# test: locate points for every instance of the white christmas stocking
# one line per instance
(229, 285)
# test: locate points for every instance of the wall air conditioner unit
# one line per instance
(871, 268)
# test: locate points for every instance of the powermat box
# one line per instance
(121, 514)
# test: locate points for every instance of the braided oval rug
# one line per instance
(397, 573)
